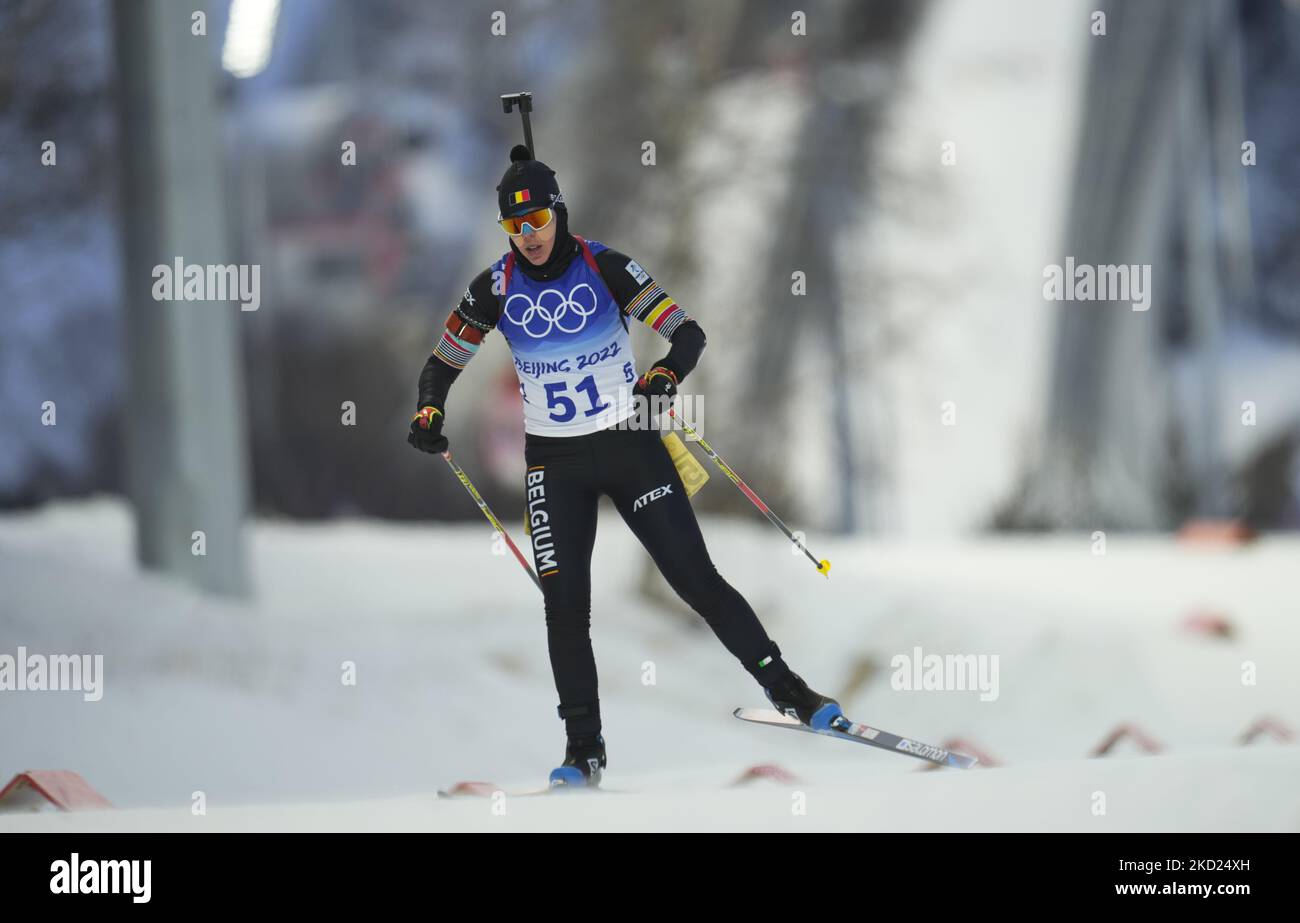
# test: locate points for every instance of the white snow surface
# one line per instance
(245, 701)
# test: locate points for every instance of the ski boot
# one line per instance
(792, 697)
(584, 758)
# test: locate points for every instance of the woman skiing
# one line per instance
(563, 305)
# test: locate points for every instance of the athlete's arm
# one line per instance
(642, 298)
(467, 324)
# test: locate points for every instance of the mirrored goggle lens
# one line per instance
(535, 220)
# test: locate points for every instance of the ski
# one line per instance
(844, 729)
(484, 790)
(488, 789)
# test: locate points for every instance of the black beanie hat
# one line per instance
(527, 185)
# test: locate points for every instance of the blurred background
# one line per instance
(922, 409)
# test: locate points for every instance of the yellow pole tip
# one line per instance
(824, 568)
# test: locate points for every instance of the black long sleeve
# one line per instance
(688, 344)
(435, 381)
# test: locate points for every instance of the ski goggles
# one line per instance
(533, 220)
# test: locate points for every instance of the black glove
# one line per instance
(659, 382)
(426, 431)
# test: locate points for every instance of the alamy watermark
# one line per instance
(652, 413)
(1107, 282)
(241, 282)
(76, 875)
(26, 672)
(919, 671)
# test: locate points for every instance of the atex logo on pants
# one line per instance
(651, 496)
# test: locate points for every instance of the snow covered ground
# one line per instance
(1166, 793)
(246, 703)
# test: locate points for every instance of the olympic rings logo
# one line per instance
(569, 314)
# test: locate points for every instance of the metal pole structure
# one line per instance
(186, 464)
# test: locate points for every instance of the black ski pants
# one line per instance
(565, 478)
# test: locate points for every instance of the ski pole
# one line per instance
(496, 523)
(823, 566)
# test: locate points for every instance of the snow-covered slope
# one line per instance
(1159, 793)
(246, 703)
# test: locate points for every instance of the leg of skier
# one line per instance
(637, 472)
(562, 499)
